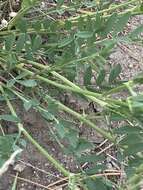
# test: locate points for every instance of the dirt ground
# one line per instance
(33, 165)
(34, 170)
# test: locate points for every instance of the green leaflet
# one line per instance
(121, 23)
(9, 42)
(11, 118)
(28, 83)
(84, 34)
(114, 73)
(28, 3)
(20, 43)
(100, 77)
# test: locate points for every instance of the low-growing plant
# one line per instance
(51, 51)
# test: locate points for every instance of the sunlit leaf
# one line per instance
(84, 34)
(28, 83)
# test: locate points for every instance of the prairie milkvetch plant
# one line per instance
(61, 49)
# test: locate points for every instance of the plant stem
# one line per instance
(29, 137)
(46, 154)
(90, 95)
(65, 80)
(136, 177)
(103, 11)
(2, 131)
(29, 31)
(102, 132)
(120, 87)
(86, 93)
(15, 182)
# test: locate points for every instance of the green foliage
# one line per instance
(28, 3)
(114, 73)
(97, 184)
(121, 23)
(27, 83)
(6, 147)
(100, 77)
(42, 58)
(87, 75)
(9, 118)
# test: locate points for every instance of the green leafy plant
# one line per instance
(51, 52)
